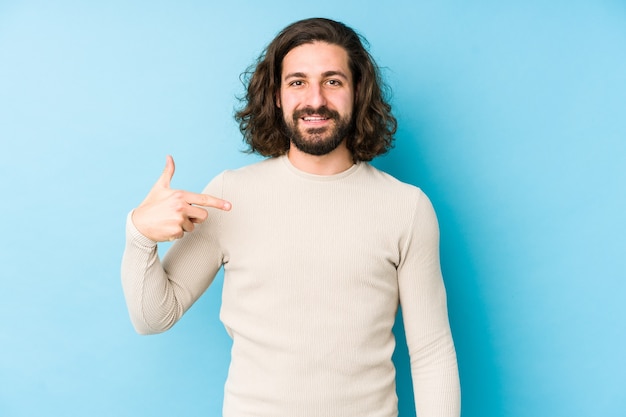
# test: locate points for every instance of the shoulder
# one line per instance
(399, 196)
(245, 176)
(389, 184)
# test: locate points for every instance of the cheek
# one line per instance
(287, 106)
(286, 102)
(347, 105)
(344, 102)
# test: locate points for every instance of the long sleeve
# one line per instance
(424, 308)
(159, 293)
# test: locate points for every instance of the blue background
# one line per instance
(512, 119)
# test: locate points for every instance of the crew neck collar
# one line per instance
(315, 177)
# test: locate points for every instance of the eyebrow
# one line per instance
(325, 75)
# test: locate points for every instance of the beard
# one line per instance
(322, 140)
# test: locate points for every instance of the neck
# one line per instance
(332, 163)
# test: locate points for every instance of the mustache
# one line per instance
(322, 111)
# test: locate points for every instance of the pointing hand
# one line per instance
(167, 214)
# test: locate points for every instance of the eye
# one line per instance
(296, 83)
(334, 83)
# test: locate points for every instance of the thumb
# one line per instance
(168, 173)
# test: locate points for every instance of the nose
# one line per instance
(315, 96)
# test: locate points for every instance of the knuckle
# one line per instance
(178, 202)
(203, 199)
(178, 195)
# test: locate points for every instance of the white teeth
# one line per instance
(314, 119)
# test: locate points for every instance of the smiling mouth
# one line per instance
(313, 116)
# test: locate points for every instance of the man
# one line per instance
(318, 247)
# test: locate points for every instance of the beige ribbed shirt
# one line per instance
(315, 267)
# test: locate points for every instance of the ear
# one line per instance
(277, 99)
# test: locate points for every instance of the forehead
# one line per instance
(316, 58)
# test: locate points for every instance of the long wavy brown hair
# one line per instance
(261, 120)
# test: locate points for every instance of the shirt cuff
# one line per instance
(135, 236)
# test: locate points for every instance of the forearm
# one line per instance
(436, 384)
(150, 297)
(159, 293)
(431, 348)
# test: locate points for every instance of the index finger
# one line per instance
(206, 200)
